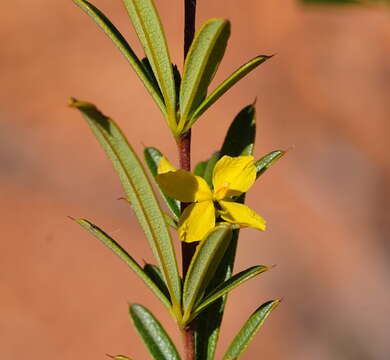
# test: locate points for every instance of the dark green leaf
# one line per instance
(152, 158)
(155, 274)
(139, 192)
(249, 330)
(240, 138)
(153, 334)
(117, 38)
(129, 261)
(208, 172)
(208, 322)
(200, 168)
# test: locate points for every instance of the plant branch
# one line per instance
(184, 147)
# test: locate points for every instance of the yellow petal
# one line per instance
(184, 186)
(196, 221)
(233, 176)
(165, 166)
(241, 214)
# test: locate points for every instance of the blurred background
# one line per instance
(325, 94)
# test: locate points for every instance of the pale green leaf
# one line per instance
(201, 64)
(153, 334)
(124, 256)
(207, 324)
(147, 24)
(139, 192)
(267, 161)
(118, 357)
(117, 38)
(204, 263)
(225, 86)
(249, 330)
(229, 285)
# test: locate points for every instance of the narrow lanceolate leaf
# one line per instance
(240, 138)
(118, 357)
(152, 158)
(201, 64)
(139, 192)
(203, 266)
(129, 261)
(267, 161)
(229, 285)
(153, 334)
(117, 38)
(148, 26)
(225, 86)
(249, 330)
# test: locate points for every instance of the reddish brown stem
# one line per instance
(184, 147)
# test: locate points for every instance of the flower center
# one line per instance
(221, 192)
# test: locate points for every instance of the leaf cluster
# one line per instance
(182, 99)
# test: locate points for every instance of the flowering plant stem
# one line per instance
(206, 207)
(187, 249)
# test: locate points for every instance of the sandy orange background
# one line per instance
(326, 94)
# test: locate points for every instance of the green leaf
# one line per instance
(249, 330)
(225, 86)
(208, 171)
(118, 357)
(240, 138)
(200, 168)
(229, 285)
(202, 61)
(208, 322)
(124, 256)
(152, 158)
(171, 221)
(153, 334)
(117, 38)
(155, 274)
(150, 32)
(204, 263)
(139, 192)
(267, 161)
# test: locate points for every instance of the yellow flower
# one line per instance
(232, 176)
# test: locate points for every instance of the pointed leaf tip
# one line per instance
(249, 330)
(202, 62)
